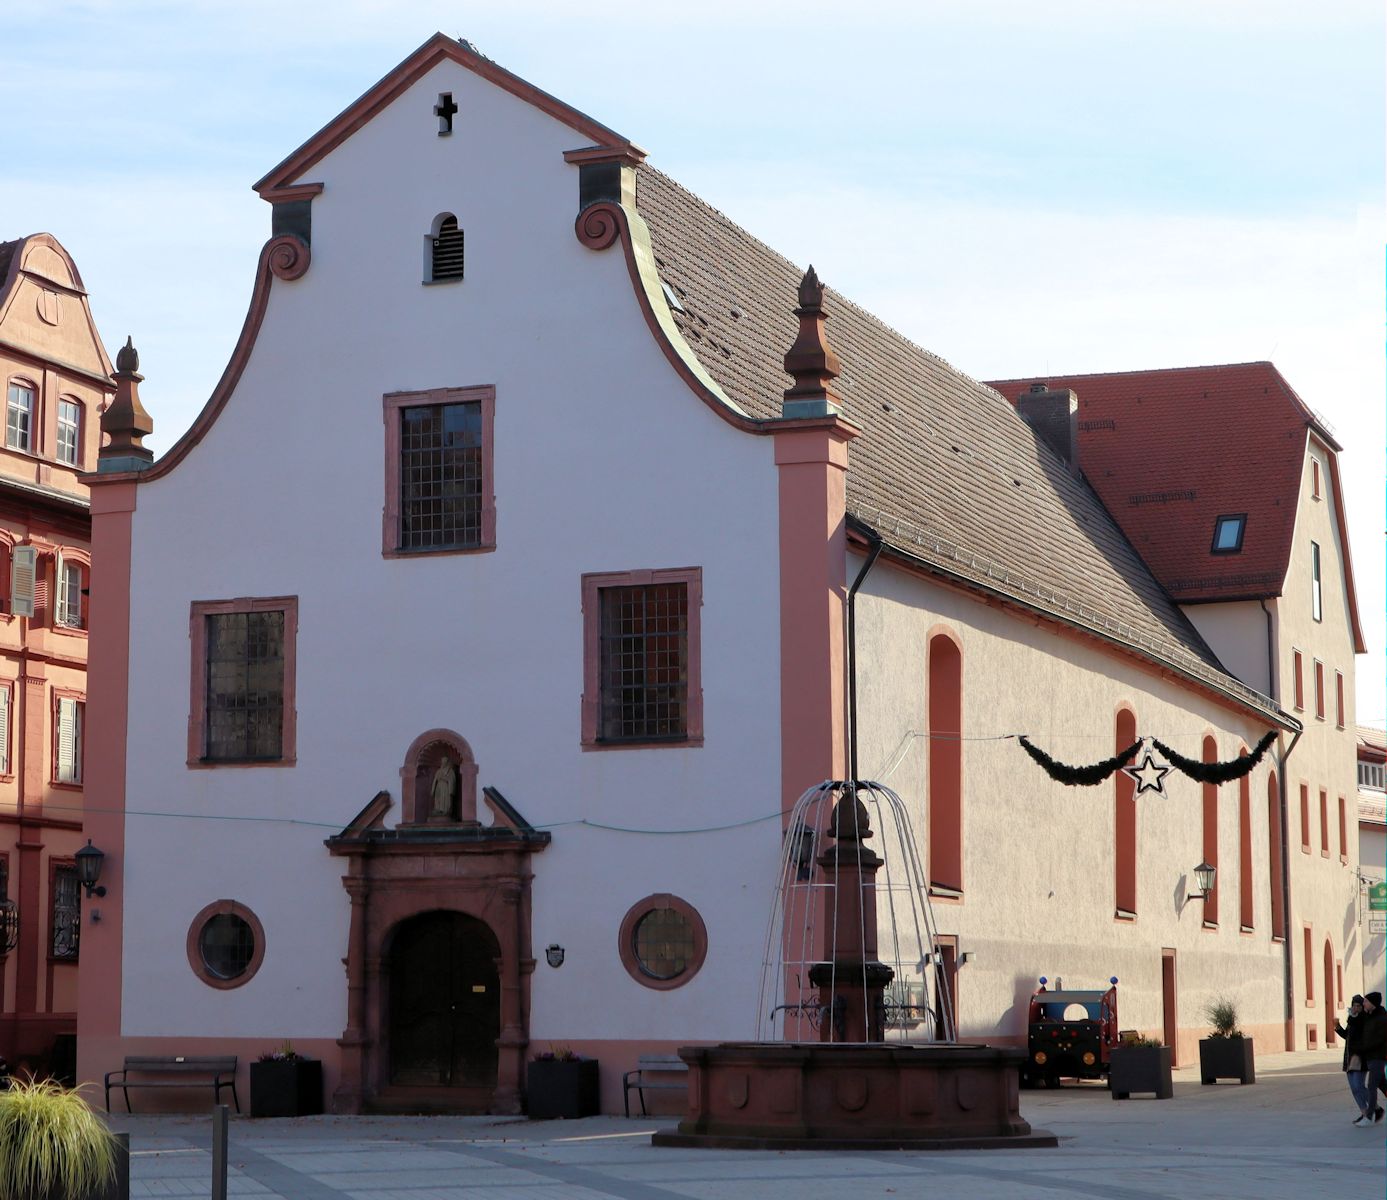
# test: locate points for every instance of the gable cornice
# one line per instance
(437, 49)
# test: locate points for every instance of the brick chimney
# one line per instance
(1054, 418)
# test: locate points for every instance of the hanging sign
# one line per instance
(1377, 897)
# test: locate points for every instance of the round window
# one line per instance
(226, 944)
(663, 942)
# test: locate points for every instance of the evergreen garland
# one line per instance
(1088, 776)
(1223, 772)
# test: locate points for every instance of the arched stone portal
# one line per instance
(459, 892)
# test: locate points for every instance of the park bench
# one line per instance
(653, 1064)
(193, 1071)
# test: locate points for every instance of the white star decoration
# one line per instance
(1148, 773)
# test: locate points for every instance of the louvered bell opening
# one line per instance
(447, 251)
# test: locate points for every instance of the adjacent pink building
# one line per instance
(57, 379)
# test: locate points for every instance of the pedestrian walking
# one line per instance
(1373, 1043)
(1354, 1066)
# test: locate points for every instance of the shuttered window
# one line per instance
(23, 569)
(4, 734)
(447, 250)
(69, 734)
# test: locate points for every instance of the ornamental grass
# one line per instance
(52, 1146)
(1222, 1014)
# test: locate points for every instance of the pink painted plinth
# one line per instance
(807, 1095)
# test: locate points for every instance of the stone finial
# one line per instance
(810, 360)
(128, 358)
(125, 422)
(849, 821)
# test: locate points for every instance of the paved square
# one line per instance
(1288, 1136)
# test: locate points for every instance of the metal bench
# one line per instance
(657, 1064)
(216, 1072)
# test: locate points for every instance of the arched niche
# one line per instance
(420, 773)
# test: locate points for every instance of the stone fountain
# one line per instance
(855, 1052)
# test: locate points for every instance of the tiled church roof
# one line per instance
(945, 470)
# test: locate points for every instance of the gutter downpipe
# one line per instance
(874, 539)
(1274, 685)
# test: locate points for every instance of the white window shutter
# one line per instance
(67, 739)
(4, 731)
(23, 568)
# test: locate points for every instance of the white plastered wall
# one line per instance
(604, 461)
(1324, 891)
(1038, 856)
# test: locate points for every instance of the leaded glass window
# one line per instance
(227, 944)
(664, 943)
(245, 685)
(67, 912)
(441, 476)
(645, 660)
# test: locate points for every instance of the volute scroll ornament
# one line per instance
(288, 255)
(598, 225)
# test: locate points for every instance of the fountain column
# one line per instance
(853, 979)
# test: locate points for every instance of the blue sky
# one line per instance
(1021, 188)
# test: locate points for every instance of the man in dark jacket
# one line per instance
(1373, 1040)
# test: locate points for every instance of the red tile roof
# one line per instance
(1170, 451)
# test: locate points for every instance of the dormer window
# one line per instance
(1228, 534)
(445, 249)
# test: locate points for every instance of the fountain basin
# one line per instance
(850, 1096)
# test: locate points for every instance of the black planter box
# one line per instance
(289, 1088)
(561, 1089)
(1140, 1069)
(1226, 1058)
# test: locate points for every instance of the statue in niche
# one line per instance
(442, 790)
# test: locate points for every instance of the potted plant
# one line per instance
(559, 1083)
(283, 1083)
(53, 1147)
(1140, 1064)
(1225, 1053)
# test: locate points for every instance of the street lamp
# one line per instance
(89, 860)
(1204, 876)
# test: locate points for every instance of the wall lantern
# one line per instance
(9, 924)
(89, 860)
(1204, 876)
(554, 954)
